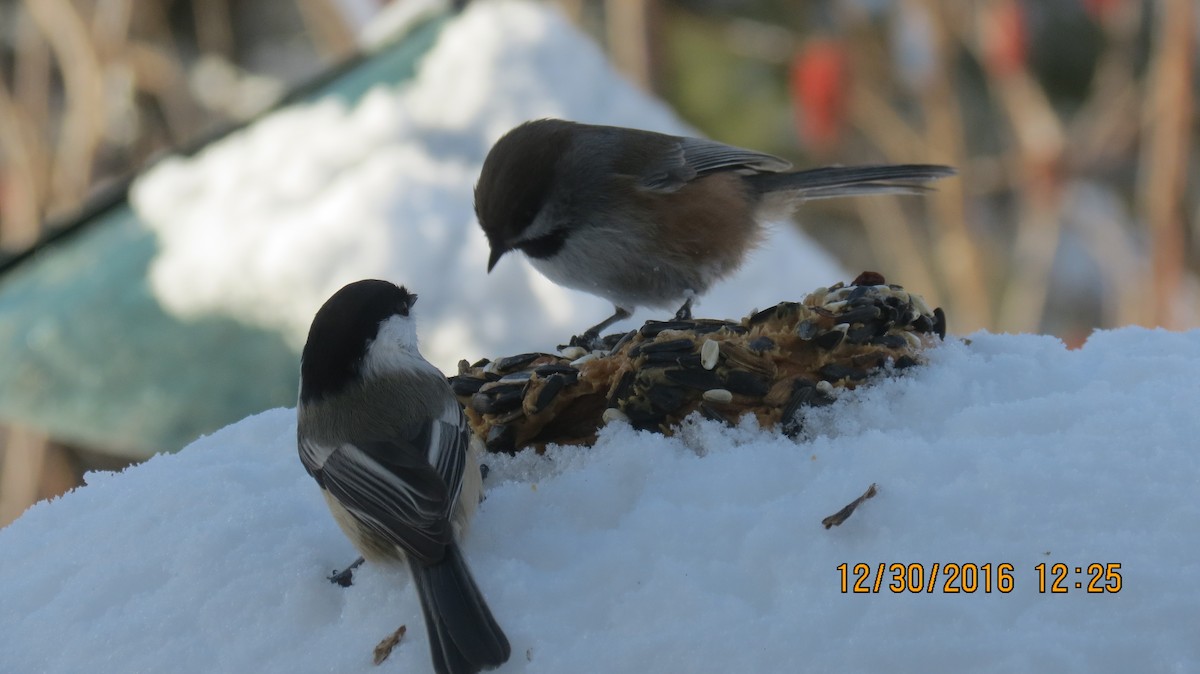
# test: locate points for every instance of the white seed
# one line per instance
(834, 306)
(710, 350)
(718, 395)
(919, 304)
(914, 340)
(613, 414)
(825, 387)
(583, 359)
(573, 352)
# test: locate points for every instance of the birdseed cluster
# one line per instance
(770, 364)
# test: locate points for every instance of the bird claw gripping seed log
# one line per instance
(771, 364)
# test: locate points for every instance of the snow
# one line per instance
(265, 225)
(699, 553)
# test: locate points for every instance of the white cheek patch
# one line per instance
(394, 348)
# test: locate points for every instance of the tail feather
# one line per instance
(464, 638)
(840, 181)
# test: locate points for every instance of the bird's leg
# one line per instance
(685, 312)
(345, 577)
(590, 339)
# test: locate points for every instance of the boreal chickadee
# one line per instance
(384, 437)
(643, 218)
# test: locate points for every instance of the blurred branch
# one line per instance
(20, 472)
(882, 216)
(1166, 128)
(958, 255)
(19, 191)
(214, 27)
(328, 27)
(1106, 239)
(84, 119)
(631, 26)
(890, 232)
(1106, 126)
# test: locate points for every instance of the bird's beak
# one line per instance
(497, 253)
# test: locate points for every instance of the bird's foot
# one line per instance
(588, 340)
(685, 312)
(345, 577)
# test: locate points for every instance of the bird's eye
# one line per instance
(544, 246)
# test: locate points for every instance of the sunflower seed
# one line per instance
(465, 385)
(760, 344)
(681, 344)
(572, 352)
(859, 315)
(555, 368)
(518, 361)
(489, 404)
(693, 378)
(665, 398)
(711, 414)
(623, 341)
(710, 351)
(718, 395)
(501, 438)
(860, 334)
(919, 304)
(585, 358)
(807, 329)
(621, 391)
(708, 326)
(613, 414)
(939, 322)
(549, 392)
(860, 291)
(643, 417)
(494, 388)
(804, 394)
(511, 377)
(836, 371)
(830, 340)
(671, 358)
(762, 316)
(746, 383)
(652, 328)
(891, 341)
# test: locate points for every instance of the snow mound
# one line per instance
(699, 553)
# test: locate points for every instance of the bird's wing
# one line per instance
(691, 158)
(403, 488)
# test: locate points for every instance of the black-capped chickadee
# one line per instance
(380, 431)
(643, 218)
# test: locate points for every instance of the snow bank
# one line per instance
(268, 223)
(701, 553)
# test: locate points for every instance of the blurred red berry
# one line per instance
(1005, 38)
(1101, 9)
(819, 82)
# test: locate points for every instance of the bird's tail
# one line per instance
(841, 181)
(463, 636)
